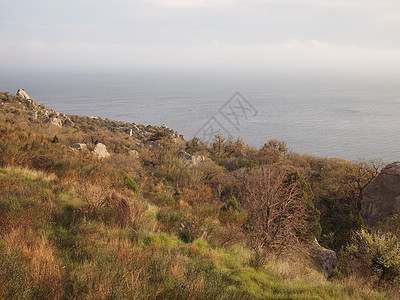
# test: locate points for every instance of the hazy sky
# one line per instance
(286, 35)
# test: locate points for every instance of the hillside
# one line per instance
(166, 218)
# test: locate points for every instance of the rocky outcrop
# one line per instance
(326, 257)
(101, 151)
(54, 121)
(191, 159)
(78, 146)
(382, 196)
(24, 95)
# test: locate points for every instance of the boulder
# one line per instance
(101, 151)
(327, 257)
(381, 197)
(24, 95)
(54, 121)
(78, 146)
(191, 159)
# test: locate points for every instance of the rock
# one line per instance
(33, 114)
(129, 131)
(134, 154)
(101, 151)
(24, 95)
(78, 146)
(327, 257)
(381, 197)
(191, 159)
(54, 121)
(152, 145)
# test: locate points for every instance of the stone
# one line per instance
(134, 154)
(152, 145)
(33, 114)
(78, 146)
(327, 257)
(54, 121)
(101, 151)
(129, 131)
(381, 197)
(24, 95)
(191, 159)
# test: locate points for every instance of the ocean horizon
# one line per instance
(350, 118)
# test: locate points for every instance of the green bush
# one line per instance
(375, 256)
(130, 183)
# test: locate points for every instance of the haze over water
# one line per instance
(347, 118)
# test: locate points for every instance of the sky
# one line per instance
(331, 36)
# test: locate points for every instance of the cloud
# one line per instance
(194, 3)
(389, 17)
(289, 56)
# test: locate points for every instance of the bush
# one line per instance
(130, 183)
(374, 256)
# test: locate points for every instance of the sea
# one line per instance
(350, 117)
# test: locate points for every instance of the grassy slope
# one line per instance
(73, 227)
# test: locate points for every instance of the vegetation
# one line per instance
(146, 225)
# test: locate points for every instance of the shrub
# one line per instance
(130, 182)
(374, 256)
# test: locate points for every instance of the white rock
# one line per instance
(101, 151)
(24, 95)
(54, 121)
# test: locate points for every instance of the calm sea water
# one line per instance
(348, 117)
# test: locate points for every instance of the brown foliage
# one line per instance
(274, 207)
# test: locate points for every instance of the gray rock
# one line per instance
(54, 121)
(328, 258)
(101, 151)
(381, 197)
(33, 114)
(191, 159)
(152, 145)
(78, 146)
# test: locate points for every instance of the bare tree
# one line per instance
(275, 208)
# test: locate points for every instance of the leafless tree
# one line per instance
(274, 206)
